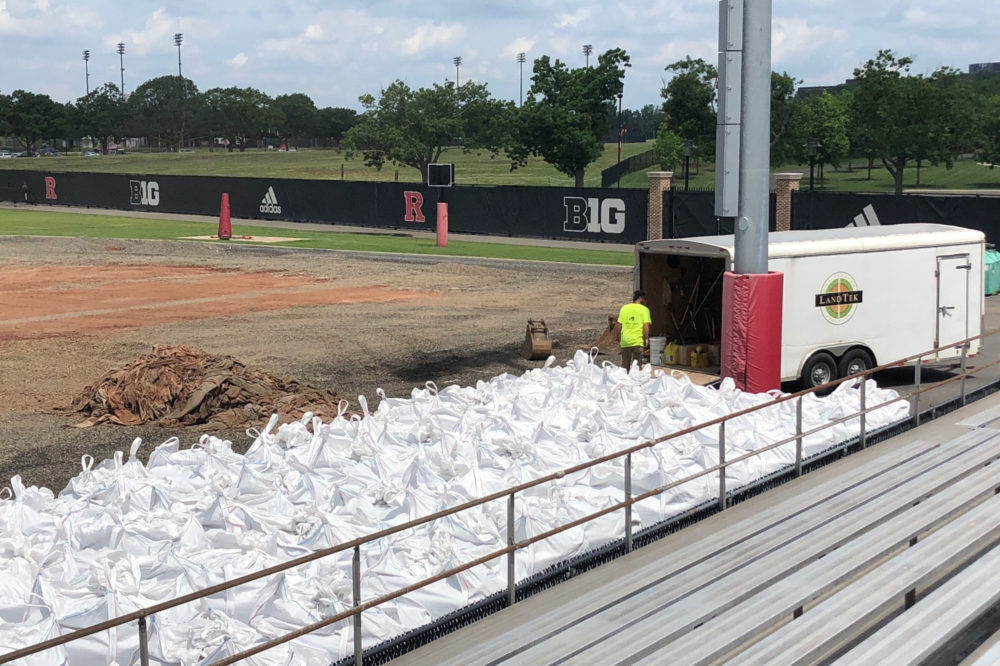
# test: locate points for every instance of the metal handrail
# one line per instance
(512, 546)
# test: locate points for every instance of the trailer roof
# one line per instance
(824, 241)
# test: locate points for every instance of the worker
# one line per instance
(632, 329)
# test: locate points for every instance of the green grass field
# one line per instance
(964, 175)
(40, 222)
(470, 168)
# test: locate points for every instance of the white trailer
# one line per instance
(853, 298)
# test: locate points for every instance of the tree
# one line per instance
(784, 113)
(33, 117)
(166, 108)
(669, 147)
(238, 114)
(413, 127)
(102, 114)
(565, 114)
(301, 116)
(901, 118)
(333, 122)
(689, 103)
(822, 117)
(991, 131)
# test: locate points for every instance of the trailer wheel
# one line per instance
(855, 361)
(819, 369)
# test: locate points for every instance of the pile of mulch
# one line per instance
(177, 386)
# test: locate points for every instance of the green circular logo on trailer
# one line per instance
(839, 298)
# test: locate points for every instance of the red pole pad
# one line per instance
(751, 330)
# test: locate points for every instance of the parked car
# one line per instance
(5, 154)
(27, 153)
(90, 153)
(49, 152)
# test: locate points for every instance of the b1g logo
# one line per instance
(839, 299)
(144, 193)
(594, 215)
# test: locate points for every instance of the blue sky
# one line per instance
(336, 51)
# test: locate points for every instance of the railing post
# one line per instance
(143, 645)
(511, 589)
(864, 419)
(965, 356)
(916, 394)
(356, 575)
(722, 469)
(628, 502)
(798, 437)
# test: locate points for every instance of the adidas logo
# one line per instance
(269, 204)
(867, 218)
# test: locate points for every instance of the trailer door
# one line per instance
(953, 272)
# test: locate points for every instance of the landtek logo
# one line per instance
(594, 215)
(269, 204)
(839, 299)
(144, 193)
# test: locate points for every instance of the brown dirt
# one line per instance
(73, 309)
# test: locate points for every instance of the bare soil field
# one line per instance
(71, 309)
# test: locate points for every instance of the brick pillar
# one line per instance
(784, 185)
(659, 182)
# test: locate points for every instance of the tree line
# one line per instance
(886, 114)
(170, 112)
(893, 118)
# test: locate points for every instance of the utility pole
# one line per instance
(121, 62)
(178, 38)
(520, 62)
(86, 68)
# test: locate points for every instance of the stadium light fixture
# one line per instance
(458, 63)
(587, 50)
(86, 68)
(520, 62)
(121, 63)
(178, 38)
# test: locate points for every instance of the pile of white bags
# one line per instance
(124, 535)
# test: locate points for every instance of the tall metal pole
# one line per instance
(458, 63)
(620, 128)
(520, 62)
(178, 38)
(121, 62)
(587, 50)
(755, 158)
(86, 68)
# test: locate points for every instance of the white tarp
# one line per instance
(124, 535)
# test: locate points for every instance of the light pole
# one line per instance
(121, 63)
(812, 146)
(688, 145)
(587, 50)
(619, 131)
(178, 38)
(458, 63)
(86, 68)
(520, 62)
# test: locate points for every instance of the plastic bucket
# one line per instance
(656, 346)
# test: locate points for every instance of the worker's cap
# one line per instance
(637, 294)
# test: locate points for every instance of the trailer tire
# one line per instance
(820, 369)
(855, 361)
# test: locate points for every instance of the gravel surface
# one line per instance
(470, 329)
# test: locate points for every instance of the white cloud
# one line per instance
(238, 60)
(313, 32)
(429, 36)
(792, 37)
(519, 45)
(574, 19)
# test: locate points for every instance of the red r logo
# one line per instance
(414, 203)
(50, 188)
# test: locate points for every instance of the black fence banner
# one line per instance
(692, 213)
(590, 214)
(829, 210)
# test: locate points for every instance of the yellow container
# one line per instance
(699, 358)
(670, 353)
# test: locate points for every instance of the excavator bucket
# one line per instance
(537, 344)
